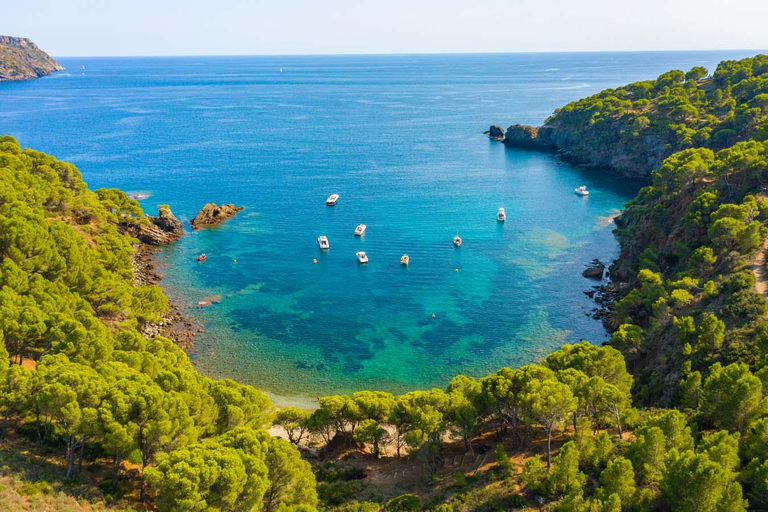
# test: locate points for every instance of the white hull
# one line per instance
(362, 257)
(360, 230)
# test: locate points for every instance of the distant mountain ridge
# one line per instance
(21, 59)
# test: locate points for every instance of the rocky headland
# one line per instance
(21, 59)
(162, 229)
(212, 214)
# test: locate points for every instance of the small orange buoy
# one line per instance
(314, 260)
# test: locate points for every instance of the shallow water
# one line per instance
(400, 139)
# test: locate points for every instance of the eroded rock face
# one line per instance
(212, 214)
(163, 229)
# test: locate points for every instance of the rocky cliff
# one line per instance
(21, 59)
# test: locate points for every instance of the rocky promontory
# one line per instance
(160, 230)
(21, 59)
(212, 214)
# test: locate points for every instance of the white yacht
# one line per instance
(322, 241)
(457, 240)
(582, 190)
(332, 199)
(361, 257)
(501, 216)
(404, 259)
(360, 229)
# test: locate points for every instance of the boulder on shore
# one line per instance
(212, 214)
(163, 229)
(594, 270)
(495, 132)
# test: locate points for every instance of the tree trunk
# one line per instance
(4, 428)
(82, 451)
(116, 474)
(70, 455)
(549, 447)
(618, 421)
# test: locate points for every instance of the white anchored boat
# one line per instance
(322, 242)
(501, 216)
(457, 241)
(404, 259)
(361, 257)
(582, 190)
(360, 229)
(332, 199)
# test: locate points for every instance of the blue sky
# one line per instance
(255, 27)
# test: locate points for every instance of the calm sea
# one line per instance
(400, 139)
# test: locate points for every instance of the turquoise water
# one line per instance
(400, 139)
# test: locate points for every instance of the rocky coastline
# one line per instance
(175, 325)
(617, 159)
(160, 230)
(21, 59)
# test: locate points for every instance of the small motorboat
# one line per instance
(404, 259)
(322, 241)
(361, 257)
(202, 257)
(332, 199)
(360, 229)
(457, 240)
(501, 216)
(582, 190)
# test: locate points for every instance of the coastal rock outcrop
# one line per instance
(594, 270)
(212, 214)
(21, 59)
(162, 229)
(495, 132)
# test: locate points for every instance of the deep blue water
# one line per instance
(400, 139)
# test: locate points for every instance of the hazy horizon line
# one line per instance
(385, 54)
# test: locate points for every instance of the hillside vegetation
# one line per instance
(632, 129)
(21, 59)
(94, 411)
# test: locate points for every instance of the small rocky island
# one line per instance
(212, 214)
(21, 59)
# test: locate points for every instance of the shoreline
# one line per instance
(175, 325)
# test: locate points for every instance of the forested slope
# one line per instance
(129, 419)
(632, 129)
(100, 391)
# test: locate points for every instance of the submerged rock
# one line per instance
(594, 270)
(163, 229)
(212, 214)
